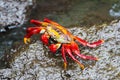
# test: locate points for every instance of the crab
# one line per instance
(57, 37)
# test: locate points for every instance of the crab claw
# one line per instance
(45, 39)
(51, 22)
(26, 40)
(31, 31)
(54, 47)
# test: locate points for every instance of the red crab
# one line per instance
(57, 37)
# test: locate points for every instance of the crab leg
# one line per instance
(64, 56)
(54, 47)
(68, 51)
(31, 29)
(51, 22)
(36, 22)
(30, 32)
(45, 23)
(75, 49)
(94, 44)
(39, 23)
(85, 43)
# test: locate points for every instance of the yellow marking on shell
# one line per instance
(62, 29)
(53, 33)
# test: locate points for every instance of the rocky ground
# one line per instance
(37, 63)
(13, 12)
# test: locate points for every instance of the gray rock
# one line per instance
(37, 63)
(13, 11)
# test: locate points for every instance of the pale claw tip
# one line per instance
(102, 41)
(81, 66)
(97, 59)
(65, 65)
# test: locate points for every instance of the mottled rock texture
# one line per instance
(13, 12)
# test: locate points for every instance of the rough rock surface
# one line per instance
(13, 11)
(37, 63)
